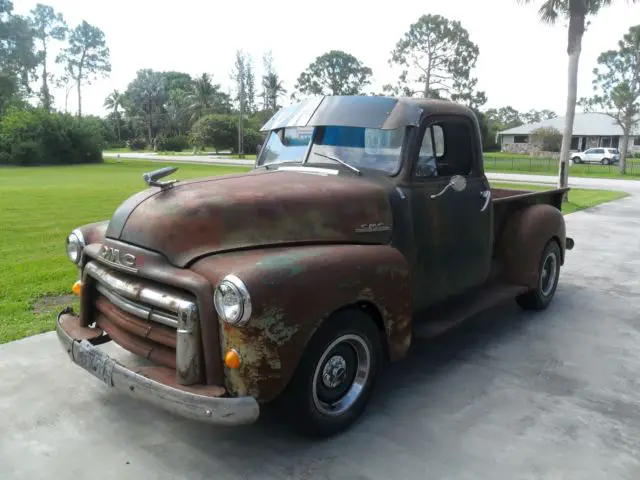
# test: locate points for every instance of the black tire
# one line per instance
(605, 161)
(302, 404)
(541, 297)
(576, 160)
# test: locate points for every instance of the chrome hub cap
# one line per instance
(334, 371)
(548, 276)
(341, 374)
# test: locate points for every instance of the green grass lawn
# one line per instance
(40, 206)
(579, 198)
(510, 163)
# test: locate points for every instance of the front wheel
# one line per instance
(576, 160)
(335, 378)
(605, 161)
(548, 275)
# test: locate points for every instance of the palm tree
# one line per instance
(272, 90)
(113, 102)
(577, 11)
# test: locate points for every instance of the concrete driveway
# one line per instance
(508, 395)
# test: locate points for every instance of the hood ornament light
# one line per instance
(152, 178)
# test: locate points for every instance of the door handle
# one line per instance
(457, 182)
(442, 192)
(486, 194)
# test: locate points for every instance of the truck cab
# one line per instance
(365, 223)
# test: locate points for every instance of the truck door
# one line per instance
(453, 229)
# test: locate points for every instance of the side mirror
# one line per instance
(458, 183)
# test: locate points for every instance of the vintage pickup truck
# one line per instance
(366, 222)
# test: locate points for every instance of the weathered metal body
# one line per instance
(306, 244)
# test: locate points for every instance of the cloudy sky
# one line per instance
(522, 63)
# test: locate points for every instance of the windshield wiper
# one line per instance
(330, 157)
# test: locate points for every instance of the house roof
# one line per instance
(584, 124)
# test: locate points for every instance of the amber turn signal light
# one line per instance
(77, 287)
(232, 359)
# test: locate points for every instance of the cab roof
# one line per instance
(385, 113)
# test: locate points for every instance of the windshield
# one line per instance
(359, 147)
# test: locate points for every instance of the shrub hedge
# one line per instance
(176, 143)
(32, 136)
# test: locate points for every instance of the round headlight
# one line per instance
(232, 301)
(75, 244)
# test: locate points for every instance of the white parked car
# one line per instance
(604, 156)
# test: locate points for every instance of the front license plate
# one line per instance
(95, 361)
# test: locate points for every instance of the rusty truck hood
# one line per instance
(254, 209)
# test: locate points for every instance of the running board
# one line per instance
(452, 312)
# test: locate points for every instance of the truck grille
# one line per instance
(154, 321)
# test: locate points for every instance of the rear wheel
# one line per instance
(334, 380)
(548, 275)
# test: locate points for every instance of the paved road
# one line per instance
(153, 157)
(508, 395)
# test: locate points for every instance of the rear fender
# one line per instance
(525, 234)
(293, 290)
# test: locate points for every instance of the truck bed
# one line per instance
(506, 201)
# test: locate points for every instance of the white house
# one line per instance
(589, 130)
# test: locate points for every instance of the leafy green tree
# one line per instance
(250, 87)
(436, 56)
(178, 81)
(550, 139)
(206, 98)
(464, 91)
(47, 25)
(535, 116)
(272, 90)
(177, 109)
(66, 82)
(334, 73)
(146, 95)
(617, 85)
(239, 75)
(86, 57)
(272, 87)
(18, 59)
(577, 12)
(216, 130)
(505, 117)
(113, 102)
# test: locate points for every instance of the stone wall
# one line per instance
(532, 149)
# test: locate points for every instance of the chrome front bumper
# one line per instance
(214, 410)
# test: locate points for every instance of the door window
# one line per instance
(431, 150)
(446, 150)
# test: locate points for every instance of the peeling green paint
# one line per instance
(274, 329)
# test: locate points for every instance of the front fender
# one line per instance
(523, 239)
(292, 291)
(92, 233)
